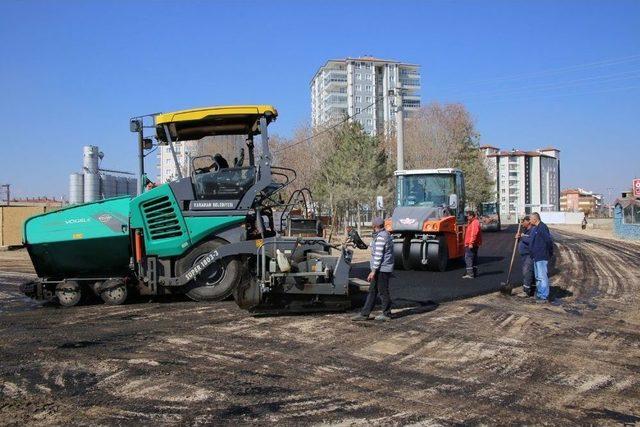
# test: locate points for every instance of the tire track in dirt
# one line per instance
(489, 359)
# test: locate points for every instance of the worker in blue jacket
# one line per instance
(528, 277)
(541, 248)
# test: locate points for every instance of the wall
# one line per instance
(11, 220)
(625, 231)
(562, 217)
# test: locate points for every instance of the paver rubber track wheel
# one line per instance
(217, 281)
(116, 292)
(69, 293)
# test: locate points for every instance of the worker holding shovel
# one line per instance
(528, 278)
(541, 251)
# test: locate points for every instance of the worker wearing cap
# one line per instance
(541, 252)
(472, 241)
(381, 269)
(528, 278)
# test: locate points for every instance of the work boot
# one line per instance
(360, 318)
(382, 318)
(468, 275)
(526, 292)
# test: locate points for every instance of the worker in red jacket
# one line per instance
(472, 241)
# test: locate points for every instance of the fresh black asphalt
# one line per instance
(428, 287)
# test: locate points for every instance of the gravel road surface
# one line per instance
(457, 352)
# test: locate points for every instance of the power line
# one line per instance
(551, 71)
(555, 95)
(560, 85)
(335, 125)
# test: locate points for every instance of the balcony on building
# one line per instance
(407, 82)
(335, 79)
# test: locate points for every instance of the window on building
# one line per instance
(357, 110)
(369, 122)
(358, 99)
(358, 87)
(358, 76)
(631, 214)
(367, 99)
(368, 76)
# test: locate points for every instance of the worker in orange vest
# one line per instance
(472, 241)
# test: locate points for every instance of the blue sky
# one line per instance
(532, 74)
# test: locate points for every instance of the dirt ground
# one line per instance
(605, 232)
(451, 358)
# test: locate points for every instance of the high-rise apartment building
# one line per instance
(524, 181)
(166, 165)
(226, 145)
(359, 87)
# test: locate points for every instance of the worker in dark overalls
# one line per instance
(528, 276)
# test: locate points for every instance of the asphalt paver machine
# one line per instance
(209, 235)
(428, 221)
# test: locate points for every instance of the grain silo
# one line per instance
(121, 186)
(91, 187)
(107, 185)
(90, 156)
(132, 186)
(76, 188)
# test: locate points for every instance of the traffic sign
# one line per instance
(636, 187)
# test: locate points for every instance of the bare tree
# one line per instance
(444, 136)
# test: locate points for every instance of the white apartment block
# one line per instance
(524, 181)
(226, 145)
(359, 87)
(167, 167)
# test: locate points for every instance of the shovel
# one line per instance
(507, 287)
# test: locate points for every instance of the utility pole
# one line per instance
(399, 129)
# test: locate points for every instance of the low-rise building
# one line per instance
(580, 200)
(626, 216)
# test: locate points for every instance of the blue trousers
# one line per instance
(542, 279)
